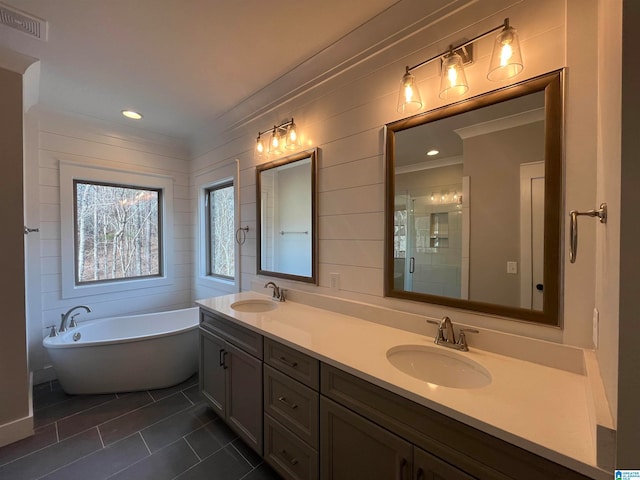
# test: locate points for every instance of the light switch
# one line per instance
(512, 267)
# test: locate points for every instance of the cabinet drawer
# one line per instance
(295, 364)
(292, 404)
(287, 454)
(241, 337)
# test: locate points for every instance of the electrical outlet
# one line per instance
(512, 267)
(596, 327)
(334, 281)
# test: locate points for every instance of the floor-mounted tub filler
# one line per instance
(125, 354)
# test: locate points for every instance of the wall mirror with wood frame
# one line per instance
(286, 218)
(474, 202)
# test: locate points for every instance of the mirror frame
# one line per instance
(312, 154)
(553, 86)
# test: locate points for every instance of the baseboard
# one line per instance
(21, 428)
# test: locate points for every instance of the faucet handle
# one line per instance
(53, 332)
(282, 298)
(462, 339)
(440, 334)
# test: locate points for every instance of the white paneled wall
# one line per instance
(62, 138)
(345, 117)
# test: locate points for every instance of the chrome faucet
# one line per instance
(278, 293)
(446, 335)
(65, 316)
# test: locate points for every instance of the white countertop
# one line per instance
(539, 408)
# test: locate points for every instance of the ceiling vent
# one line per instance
(23, 22)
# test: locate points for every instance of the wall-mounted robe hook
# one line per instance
(241, 234)
(601, 213)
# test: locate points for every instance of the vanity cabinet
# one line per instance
(231, 376)
(291, 408)
(441, 446)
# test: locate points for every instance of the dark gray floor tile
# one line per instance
(102, 413)
(193, 394)
(210, 438)
(226, 464)
(123, 426)
(247, 452)
(165, 464)
(104, 462)
(72, 405)
(48, 394)
(165, 392)
(262, 472)
(42, 437)
(170, 429)
(51, 458)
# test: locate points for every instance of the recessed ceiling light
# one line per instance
(431, 153)
(131, 114)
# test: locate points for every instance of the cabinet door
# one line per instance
(244, 396)
(212, 372)
(428, 467)
(352, 447)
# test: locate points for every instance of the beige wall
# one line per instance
(494, 176)
(14, 374)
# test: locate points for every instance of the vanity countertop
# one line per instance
(539, 408)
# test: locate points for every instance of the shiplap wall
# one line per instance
(345, 117)
(63, 138)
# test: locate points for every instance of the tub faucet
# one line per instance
(65, 316)
(278, 293)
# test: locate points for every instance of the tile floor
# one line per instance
(157, 434)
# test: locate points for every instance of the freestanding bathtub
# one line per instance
(125, 354)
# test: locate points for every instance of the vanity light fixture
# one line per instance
(506, 62)
(283, 136)
(132, 114)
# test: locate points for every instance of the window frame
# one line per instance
(76, 258)
(207, 207)
(71, 172)
(228, 173)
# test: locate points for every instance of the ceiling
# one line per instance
(181, 63)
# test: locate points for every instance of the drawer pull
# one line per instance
(420, 474)
(288, 363)
(292, 460)
(284, 400)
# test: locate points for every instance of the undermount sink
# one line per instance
(254, 305)
(438, 366)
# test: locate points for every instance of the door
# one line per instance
(428, 467)
(212, 371)
(352, 447)
(244, 395)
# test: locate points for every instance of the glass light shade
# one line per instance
(260, 150)
(275, 143)
(506, 58)
(453, 81)
(292, 138)
(409, 99)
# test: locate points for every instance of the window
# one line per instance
(220, 223)
(117, 232)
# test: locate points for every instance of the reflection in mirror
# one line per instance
(473, 203)
(286, 217)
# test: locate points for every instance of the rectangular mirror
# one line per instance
(286, 218)
(473, 203)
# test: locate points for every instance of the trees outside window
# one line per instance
(118, 232)
(219, 203)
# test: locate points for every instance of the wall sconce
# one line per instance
(283, 137)
(506, 62)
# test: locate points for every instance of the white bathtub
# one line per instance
(125, 354)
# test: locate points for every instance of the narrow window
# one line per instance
(117, 231)
(219, 203)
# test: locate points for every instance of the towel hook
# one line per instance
(601, 213)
